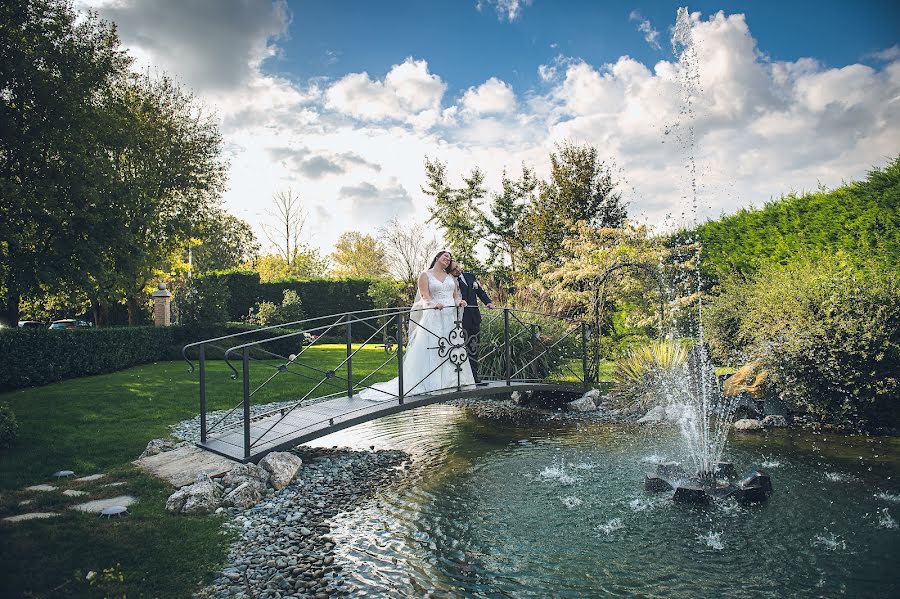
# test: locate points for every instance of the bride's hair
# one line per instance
(438, 255)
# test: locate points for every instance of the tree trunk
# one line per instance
(10, 312)
(134, 309)
(101, 312)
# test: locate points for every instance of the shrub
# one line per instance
(9, 428)
(826, 331)
(639, 371)
(530, 337)
(203, 301)
(290, 310)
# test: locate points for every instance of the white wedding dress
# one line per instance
(434, 358)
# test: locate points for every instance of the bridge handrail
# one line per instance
(266, 328)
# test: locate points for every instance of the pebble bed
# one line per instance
(283, 548)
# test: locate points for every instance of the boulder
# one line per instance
(244, 496)
(748, 424)
(774, 421)
(654, 416)
(202, 496)
(282, 468)
(157, 446)
(245, 473)
(691, 494)
(593, 394)
(583, 404)
(655, 484)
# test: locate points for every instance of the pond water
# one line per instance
(506, 511)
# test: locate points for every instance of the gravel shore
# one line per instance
(283, 548)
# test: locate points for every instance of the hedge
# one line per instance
(320, 297)
(33, 357)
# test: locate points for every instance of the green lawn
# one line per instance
(100, 424)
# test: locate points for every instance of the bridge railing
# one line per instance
(331, 356)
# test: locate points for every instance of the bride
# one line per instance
(428, 364)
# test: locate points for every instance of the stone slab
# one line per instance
(74, 493)
(181, 466)
(31, 516)
(43, 488)
(85, 479)
(98, 505)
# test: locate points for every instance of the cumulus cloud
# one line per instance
(317, 165)
(408, 93)
(372, 203)
(651, 35)
(507, 10)
(492, 96)
(209, 44)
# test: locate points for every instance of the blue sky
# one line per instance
(343, 100)
(467, 46)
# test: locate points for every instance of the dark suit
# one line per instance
(471, 292)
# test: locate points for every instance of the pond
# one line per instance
(494, 510)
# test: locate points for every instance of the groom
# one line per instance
(471, 292)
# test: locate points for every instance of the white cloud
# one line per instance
(492, 96)
(651, 35)
(408, 93)
(888, 54)
(507, 10)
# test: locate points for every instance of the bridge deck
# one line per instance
(306, 423)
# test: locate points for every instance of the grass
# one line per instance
(100, 424)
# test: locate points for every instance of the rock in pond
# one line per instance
(282, 467)
(774, 421)
(748, 424)
(583, 404)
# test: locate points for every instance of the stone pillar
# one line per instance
(161, 300)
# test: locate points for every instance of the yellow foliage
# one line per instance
(748, 379)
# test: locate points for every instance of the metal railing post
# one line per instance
(246, 403)
(202, 394)
(400, 356)
(506, 349)
(349, 356)
(584, 368)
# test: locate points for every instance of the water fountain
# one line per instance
(690, 391)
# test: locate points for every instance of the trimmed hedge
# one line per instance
(320, 297)
(33, 357)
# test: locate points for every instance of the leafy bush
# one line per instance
(638, 372)
(534, 351)
(9, 428)
(826, 331)
(290, 310)
(203, 301)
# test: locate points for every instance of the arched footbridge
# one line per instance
(299, 381)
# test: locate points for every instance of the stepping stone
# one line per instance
(31, 516)
(41, 488)
(118, 484)
(98, 505)
(181, 466)
(25, 501)
(64, 473)
(74, 493)
(85, 479)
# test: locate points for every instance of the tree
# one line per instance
(223, 241)
(308, 263)
(503, 226)
(456, 211)
(56, 69)
(408, 249)
(169, 174)
(358, 255)
(581, 189)
(290, 218)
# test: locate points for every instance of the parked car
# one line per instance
(69, 323)
(32, 324)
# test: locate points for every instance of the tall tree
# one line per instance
(581, 188)
(308, 263)
(408, 249)
(225, 241)
(358, 255)
(456, 211)
(169, 174)
(503, 224)
(286, 233)
(56, 68)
